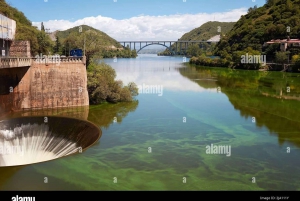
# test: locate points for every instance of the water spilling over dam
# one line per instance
(29, 140)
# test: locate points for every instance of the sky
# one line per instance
(133, 19)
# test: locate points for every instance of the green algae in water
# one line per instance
(258, 149)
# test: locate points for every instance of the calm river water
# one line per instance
(198, 129)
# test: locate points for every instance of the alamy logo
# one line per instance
(254, 59)
(218, 149)
(41, 59)
(17, 198)
(151, 89)
(9, 150)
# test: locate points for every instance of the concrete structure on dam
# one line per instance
(29, 83)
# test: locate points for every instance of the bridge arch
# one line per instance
(173, 52)
(169, 48)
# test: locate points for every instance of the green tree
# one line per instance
(57, 47)
(42, 27)
(281, 57)
(44, 42)
(133, 89)
(271, 2)
(103, 87)
(194, 50)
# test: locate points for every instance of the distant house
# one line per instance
(285, 43)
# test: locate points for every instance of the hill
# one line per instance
(206, 31)
(96, 43)
(25, 30)
(103, 40)
(277, 19)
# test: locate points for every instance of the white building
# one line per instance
(7, 34)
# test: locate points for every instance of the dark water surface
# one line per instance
(159, 142)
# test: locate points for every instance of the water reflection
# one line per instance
(106, 114)
(153, 70)
(261, 95)
(101, 115)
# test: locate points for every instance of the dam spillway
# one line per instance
(29, 140)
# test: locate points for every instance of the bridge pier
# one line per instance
(180, 49)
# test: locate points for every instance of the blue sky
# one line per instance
(133, 19)
(44, 10)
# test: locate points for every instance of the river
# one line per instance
(198, 129)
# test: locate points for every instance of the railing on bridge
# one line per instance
(7, 62)
(15, 62)
(57, 59)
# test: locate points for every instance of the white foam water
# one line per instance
(32, 143)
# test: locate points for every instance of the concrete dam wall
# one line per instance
(44, 85)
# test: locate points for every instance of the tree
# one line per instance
(133, 89)
(103, 87)
(42, 27)
(295, 58)
(281, 57)
(194, 50)
(44, 42)
(289, 5)
(57, 46)
(252, 9)
(270, 2)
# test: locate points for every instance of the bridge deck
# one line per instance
(175, 41)
(167, 44)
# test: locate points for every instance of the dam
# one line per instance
(26, 83)
(30, 83)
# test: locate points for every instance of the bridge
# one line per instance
(167, 44)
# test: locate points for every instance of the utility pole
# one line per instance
(80, 31)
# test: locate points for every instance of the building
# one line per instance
(214, 39)
(285, 43)
(20, 49)
(7, 34)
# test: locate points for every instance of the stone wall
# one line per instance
(44, 86)
(20, 49)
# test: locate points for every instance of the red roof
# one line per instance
(284, 41)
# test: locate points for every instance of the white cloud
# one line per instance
(145, 27)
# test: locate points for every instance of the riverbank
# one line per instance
(219, 62)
